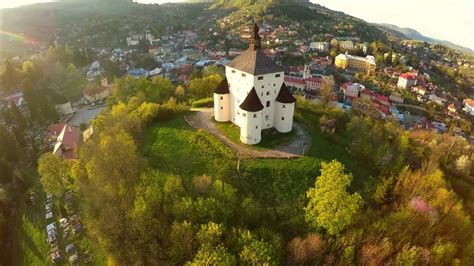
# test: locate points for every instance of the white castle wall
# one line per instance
(222, 107)
(284, 116)
(250, 130)
(240, 84)
(267, 87)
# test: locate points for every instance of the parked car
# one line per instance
(74, 258)
(71, 248)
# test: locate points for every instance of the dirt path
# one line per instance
(202, 118)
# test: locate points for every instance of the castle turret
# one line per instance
(250, 110)
(222, 102)
(284, 109)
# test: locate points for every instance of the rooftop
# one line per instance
(252, 103)
(254, 61)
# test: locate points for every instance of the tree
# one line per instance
(304, 251)
(8, 147)
(183, 242)
(326, 93)
(54, 173)
(330, 206)
(18, 118)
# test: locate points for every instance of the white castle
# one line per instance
(253, 95)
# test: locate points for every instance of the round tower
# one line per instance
(250, 129)
(251, 120)
(222, 102)
(284, 110)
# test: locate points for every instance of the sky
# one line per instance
(451, 20)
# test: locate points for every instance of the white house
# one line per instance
(319, 46)
(406, 81)
(253, 95)
(469, 106)
(64, 108)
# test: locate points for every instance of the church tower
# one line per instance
(253, 95)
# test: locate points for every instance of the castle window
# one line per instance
(243, 75)
(266, 117)
(268, 93)
(277, 75)
(256, 127)
(284, 106)
(274, 85)
(282, 118)
(238, 113)
(222, 97)
(244, 114)
(260, 78)
(262, 93)
(268, 103)
(222, 107)
(233, 71)
(263, 86)
(254, 115)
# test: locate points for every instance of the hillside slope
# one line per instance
(410, 33)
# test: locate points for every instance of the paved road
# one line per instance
(202, 118)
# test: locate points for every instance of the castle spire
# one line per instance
(255, 40)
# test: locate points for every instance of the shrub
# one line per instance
(203, 102)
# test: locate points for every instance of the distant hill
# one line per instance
(410, 33)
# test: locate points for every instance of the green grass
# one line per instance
(177, 148)
(277, 185)
(270, 137)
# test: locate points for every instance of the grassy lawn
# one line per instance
(278, 185)
(32, 236)
(270, 137)
(177, 148)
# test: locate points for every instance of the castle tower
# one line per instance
(250, 129)
(284, 110)
(222, 102)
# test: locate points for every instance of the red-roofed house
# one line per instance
(313, 84)
(67, 142)
(55, 130)
(295, 82)
(382, 99)
(406, 80)
(94, 92)
(367, 94)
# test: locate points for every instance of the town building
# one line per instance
(67, 142)
(319, 46)
(346, 45)
(396, 97)
(469, 106)
(253, 95)
(94, 92)
(356, 63)
(406, 80)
